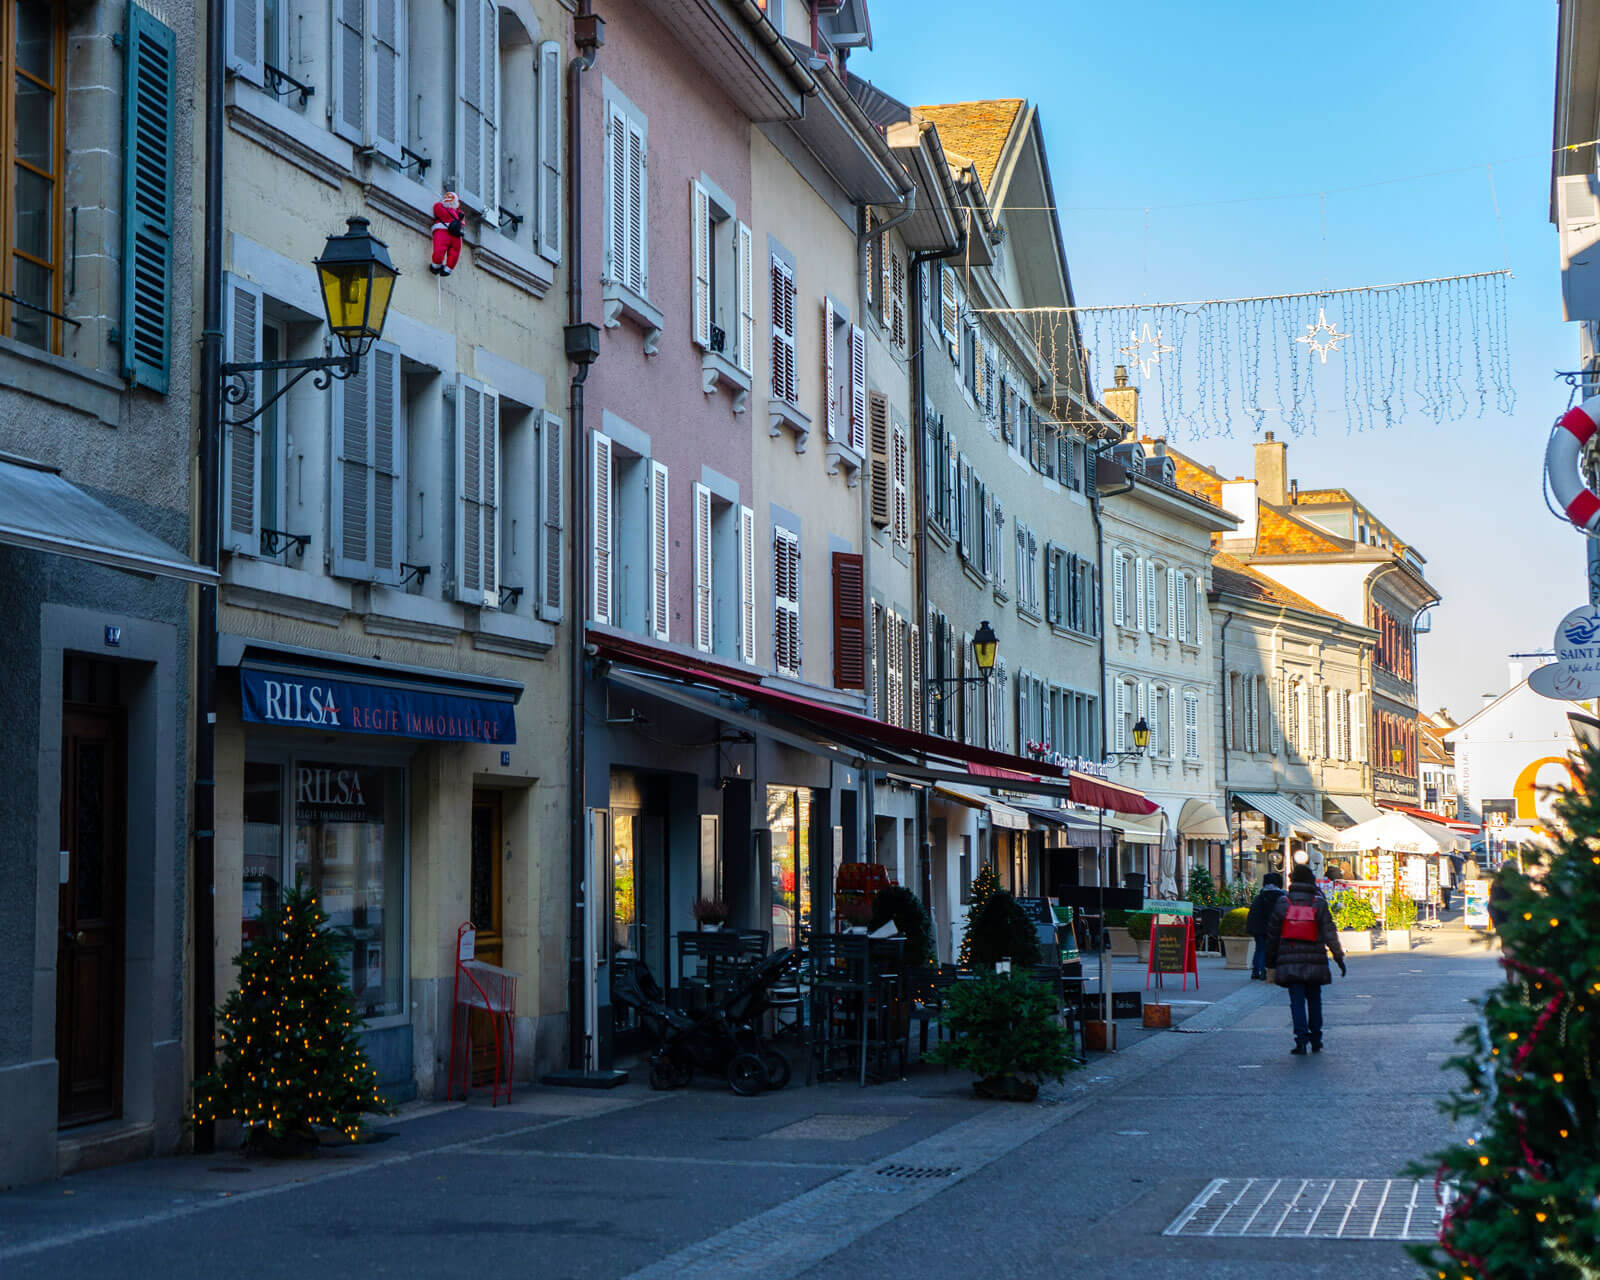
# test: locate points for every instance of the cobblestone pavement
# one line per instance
(914, 1178)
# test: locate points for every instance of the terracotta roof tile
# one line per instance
(1280, 534)
(1200, 481)
(1234, 577)
(977, 130)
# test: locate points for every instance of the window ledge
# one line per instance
(497, 255)
(511, 633)
(284, 131)
(716, 368)
(398, 195)
(1001, 595)
(842, 455)
(393, 611)
(781, 414)
(1029, 615)
(60, 381)
(974, 573)
(937, 535)
(622, 303)
(248, 583)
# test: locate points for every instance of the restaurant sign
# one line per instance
(309, 701)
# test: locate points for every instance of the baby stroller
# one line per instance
(724, 1039)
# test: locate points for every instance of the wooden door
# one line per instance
(89, 948)
(487, 856)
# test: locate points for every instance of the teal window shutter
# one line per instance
(148, 170)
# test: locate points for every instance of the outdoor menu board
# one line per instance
(1172, 951)
(1477, 904)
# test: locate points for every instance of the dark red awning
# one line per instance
(979, 762)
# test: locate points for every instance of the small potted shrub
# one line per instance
(1139, 923)
(1397, 927)
(1236, 939)
(710, 913)
(1355, 919)
(911, 921)
(1119, 940)
(1004, 1030)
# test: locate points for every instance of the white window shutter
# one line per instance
(918, 696)
(783, 359)
(744, 273)
(702, 569)
(948, 310)
(1172, 603)
(902, 485)
(660, 554)
(388, 459)
(830, 398)
(1119, 589)
(470, 90)
(1151, 612)
(858, 389)
(747, 584)
(386, 83)
(490, 443)
(897, 303)
(700, 236)
(350, 482)
(1139, 567)
(786, 602)
(491, 113)
(615, 264)
(1022, 713)
(638, 225)
(348, 75)
(241, 489)
(1121, 729)
(1183, 607)
(882, 497)
(552, 485)
(601, 532)
(245, 39)
(477, 494)
(551, 141)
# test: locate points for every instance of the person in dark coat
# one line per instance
(1302, 964)
(1255, 923)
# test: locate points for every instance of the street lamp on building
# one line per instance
(984, 645)
(356, 280)
(1141, 740)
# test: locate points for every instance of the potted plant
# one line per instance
(911, 921)
(1139, 923)
(1119, 940)
(1004, 1030)
(1355, 919)
(710, 913)
(1397, 926)
(1236, 939)
(1002, 930)
(854, 913)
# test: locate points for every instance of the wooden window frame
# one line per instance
(9, 72)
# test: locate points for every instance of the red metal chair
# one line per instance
(479, 985)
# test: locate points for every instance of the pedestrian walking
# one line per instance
(1300, 935)
(1255, 924)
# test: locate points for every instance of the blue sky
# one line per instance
(1164, 103)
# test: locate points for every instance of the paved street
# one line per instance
(704, 1183)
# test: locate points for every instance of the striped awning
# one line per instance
(1288, 815)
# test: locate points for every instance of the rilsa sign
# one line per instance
(391, 711)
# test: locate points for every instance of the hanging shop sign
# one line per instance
(326, 704)
(1575, 674)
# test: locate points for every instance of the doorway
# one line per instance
(638, 880)
(90, 952)
(487, 845)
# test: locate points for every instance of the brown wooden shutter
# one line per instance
(849, 621)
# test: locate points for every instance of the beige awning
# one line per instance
(1199, 820)
(1000, 815)
(1137, 830)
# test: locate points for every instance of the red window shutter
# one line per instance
(849, 621)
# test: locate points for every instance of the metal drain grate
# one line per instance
(916, 1172)
(1312, 1208)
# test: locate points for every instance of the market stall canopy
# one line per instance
(1199, 820)
(1000, 815)
(1083, 830)
(41, 511)
(1356, 808)
(1288, 815)
(1398, 833)
(1427, 815)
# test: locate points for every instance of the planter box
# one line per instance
(1158, 1016)
(1122, 943)
(1355, 940)
(1100, 1036)
(1236, 952)
(1397, 939)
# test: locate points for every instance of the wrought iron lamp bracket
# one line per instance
(236, 388)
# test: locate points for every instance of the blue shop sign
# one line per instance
(314, 701)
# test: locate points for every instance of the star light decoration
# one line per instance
(1143, 350)
(1322, 345)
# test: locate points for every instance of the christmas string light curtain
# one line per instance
(1433, 350)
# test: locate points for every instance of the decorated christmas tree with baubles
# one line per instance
(289, 1057)
(1523, 1185)
(984, 886)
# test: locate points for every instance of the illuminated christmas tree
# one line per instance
(1524, 1187)
(289, 1056)
(984, 886)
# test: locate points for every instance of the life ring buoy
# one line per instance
(1561, 464)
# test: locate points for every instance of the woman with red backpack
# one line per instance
(1299, 937)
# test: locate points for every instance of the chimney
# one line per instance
(1294, 492)
(1272, 470)
(1122, 399)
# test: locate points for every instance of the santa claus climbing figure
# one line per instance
(448, 216)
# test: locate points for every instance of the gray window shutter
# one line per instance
(551, 97)
(241, 463)
(386, 105)
(244, 39)
(350, 484)
(551, 478)
(388, 456)
(477, 103)
(477, 494)
(148, 199)
(349, 70)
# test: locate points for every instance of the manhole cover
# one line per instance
(916, 1172)
(833, 1128)
(1312, 1208)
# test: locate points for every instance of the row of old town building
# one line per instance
(734, 509)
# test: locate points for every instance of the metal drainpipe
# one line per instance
(578, 1050)
(205, 646)
(1227, 804)
(1100, 558)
